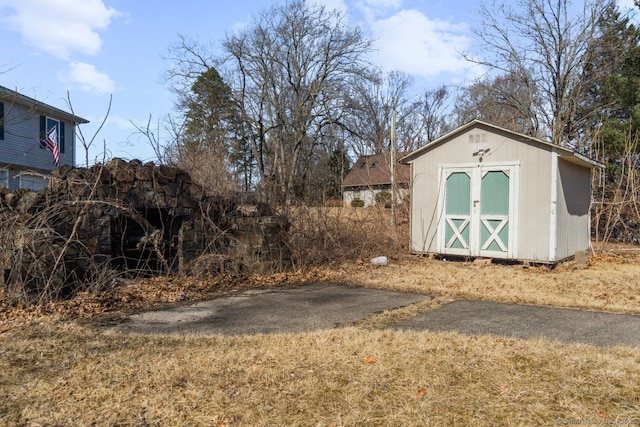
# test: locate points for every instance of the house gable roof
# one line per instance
(565, 153)
(375, 169)
(11, 96)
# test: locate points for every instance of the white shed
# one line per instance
(484, 191)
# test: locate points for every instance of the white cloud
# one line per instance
(89, 79)
(60, 27)
(626, 4)
(372, 9)
(409, 41)
(383, 4)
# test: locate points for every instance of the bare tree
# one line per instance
(288, 71)
(189, 59)
(86, 144)
(504, 101)
(371, 106)
(546, 46)
(433, 107)
(161, 138)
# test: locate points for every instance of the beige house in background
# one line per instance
(371, 175)
(484, 191)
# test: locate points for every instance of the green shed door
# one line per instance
(478, 210)
(457, 215)
(494, 213)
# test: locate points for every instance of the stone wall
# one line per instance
(258, 243)
(126, 217)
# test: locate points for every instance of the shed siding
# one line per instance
(551, 194)
(21, 144)
(424, 200)
(534, 184)
(574, 196)
(535, 201)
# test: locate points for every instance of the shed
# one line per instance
(485, 191)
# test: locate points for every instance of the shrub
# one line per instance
(383, 198)
(357, 202)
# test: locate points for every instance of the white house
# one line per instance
(371, 175)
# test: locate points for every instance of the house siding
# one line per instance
(371, 174)
(368, 195)
(1, 120)
(21, 145)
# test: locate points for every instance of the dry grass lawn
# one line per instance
(63, 374)
(611, 282)
(55, 370)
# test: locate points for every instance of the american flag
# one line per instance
(51, 142)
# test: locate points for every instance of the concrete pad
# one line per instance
(281, 310)
(529, 322)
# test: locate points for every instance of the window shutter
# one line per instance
(43, 130)
(62, 137)
(1, 121)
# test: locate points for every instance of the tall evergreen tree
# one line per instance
(614, 98)
(211, 143)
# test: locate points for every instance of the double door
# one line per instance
(478, 210)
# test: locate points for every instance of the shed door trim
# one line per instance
(488, 225)
(553, 214)
(457, 224)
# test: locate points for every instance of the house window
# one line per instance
(4, 178)
(46, 124)
(32, 181)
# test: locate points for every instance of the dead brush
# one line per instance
(331, 235)
(615, 207)
(44, 257)
(88, 227)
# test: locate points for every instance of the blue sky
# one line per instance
(93, 49)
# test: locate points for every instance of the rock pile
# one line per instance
(123, 216)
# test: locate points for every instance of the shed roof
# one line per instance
(375, 169)
(12, 96)
(565, 153)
